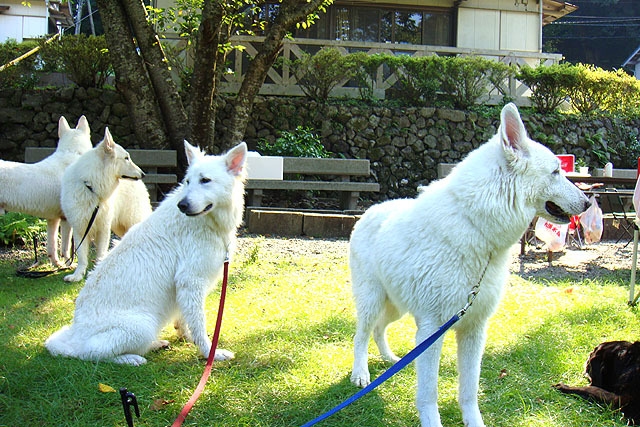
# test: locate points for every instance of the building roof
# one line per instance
(633, 59)
(554, 9)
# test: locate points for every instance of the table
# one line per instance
(606, 180)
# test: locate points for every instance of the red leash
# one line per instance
(214, 344)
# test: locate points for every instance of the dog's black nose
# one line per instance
(183, 205)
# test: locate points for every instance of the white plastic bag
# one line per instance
(591, 221)
(553, 235)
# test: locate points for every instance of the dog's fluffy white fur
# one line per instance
(34, 189)
(424, 255)
(162, 269)
(104, 178)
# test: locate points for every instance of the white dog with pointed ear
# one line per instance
(163, 268)
(424, 255)
(34, 189)
(90, 189)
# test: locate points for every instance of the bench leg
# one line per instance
(254, 198)
(349, 200)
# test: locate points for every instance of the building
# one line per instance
(20, 21)
(633, 62)
(504, 30)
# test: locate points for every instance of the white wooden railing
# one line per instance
(281, 81)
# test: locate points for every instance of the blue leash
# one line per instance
(409, 357)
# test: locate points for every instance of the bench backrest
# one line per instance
(316, 166)
(148, 160)
(142, 158)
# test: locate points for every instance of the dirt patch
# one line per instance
(590, 262)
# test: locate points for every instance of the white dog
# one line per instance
(34, 189)
(93, 183)
(162, 269)
(424, 255)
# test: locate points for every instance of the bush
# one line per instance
(465, 80)
(302, 142)
(17, 228)
(365, 68)
(318, 74)
(23, 74)
(418, 77)
(458, 81)
(550, 85)
(85, 59)
(592, 90)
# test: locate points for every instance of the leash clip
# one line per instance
(471, 296)
(129, 399)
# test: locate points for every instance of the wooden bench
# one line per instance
(148, 160)
(343, 169)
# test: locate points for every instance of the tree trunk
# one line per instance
(291, 12)
(201, 111)
(132, 80)
(166, 91)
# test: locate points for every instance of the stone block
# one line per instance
(275, 222)
(324, 225)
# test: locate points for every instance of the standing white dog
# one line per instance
(424, 255)
(34, 189)
(91, 184)
(162, 269)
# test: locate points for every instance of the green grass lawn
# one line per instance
(290, 321)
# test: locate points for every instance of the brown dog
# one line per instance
(614, 370)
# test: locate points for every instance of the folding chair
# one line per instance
(615, 205)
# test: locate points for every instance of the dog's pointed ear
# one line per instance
(107, 143)
(512, 131)
(63, 126)
(192, 152)
(236, 158)
(83, 125)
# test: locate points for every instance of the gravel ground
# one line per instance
(590, 262)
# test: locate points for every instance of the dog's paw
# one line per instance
(222, 355)
(561, 387)
(75, 277)
(130, 359)
(360, 380)
(160, 345)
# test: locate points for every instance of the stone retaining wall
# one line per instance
(403, 144)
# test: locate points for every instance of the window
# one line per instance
(384, 25)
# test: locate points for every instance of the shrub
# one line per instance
(365, 69)
(465, 80)
(417, 77)
(85, 59)
(19, 228)
(318, 74)
(550, 85)
(302, 142)
(21, 74)
(592, 90)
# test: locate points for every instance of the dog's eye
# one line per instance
(205, 180)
